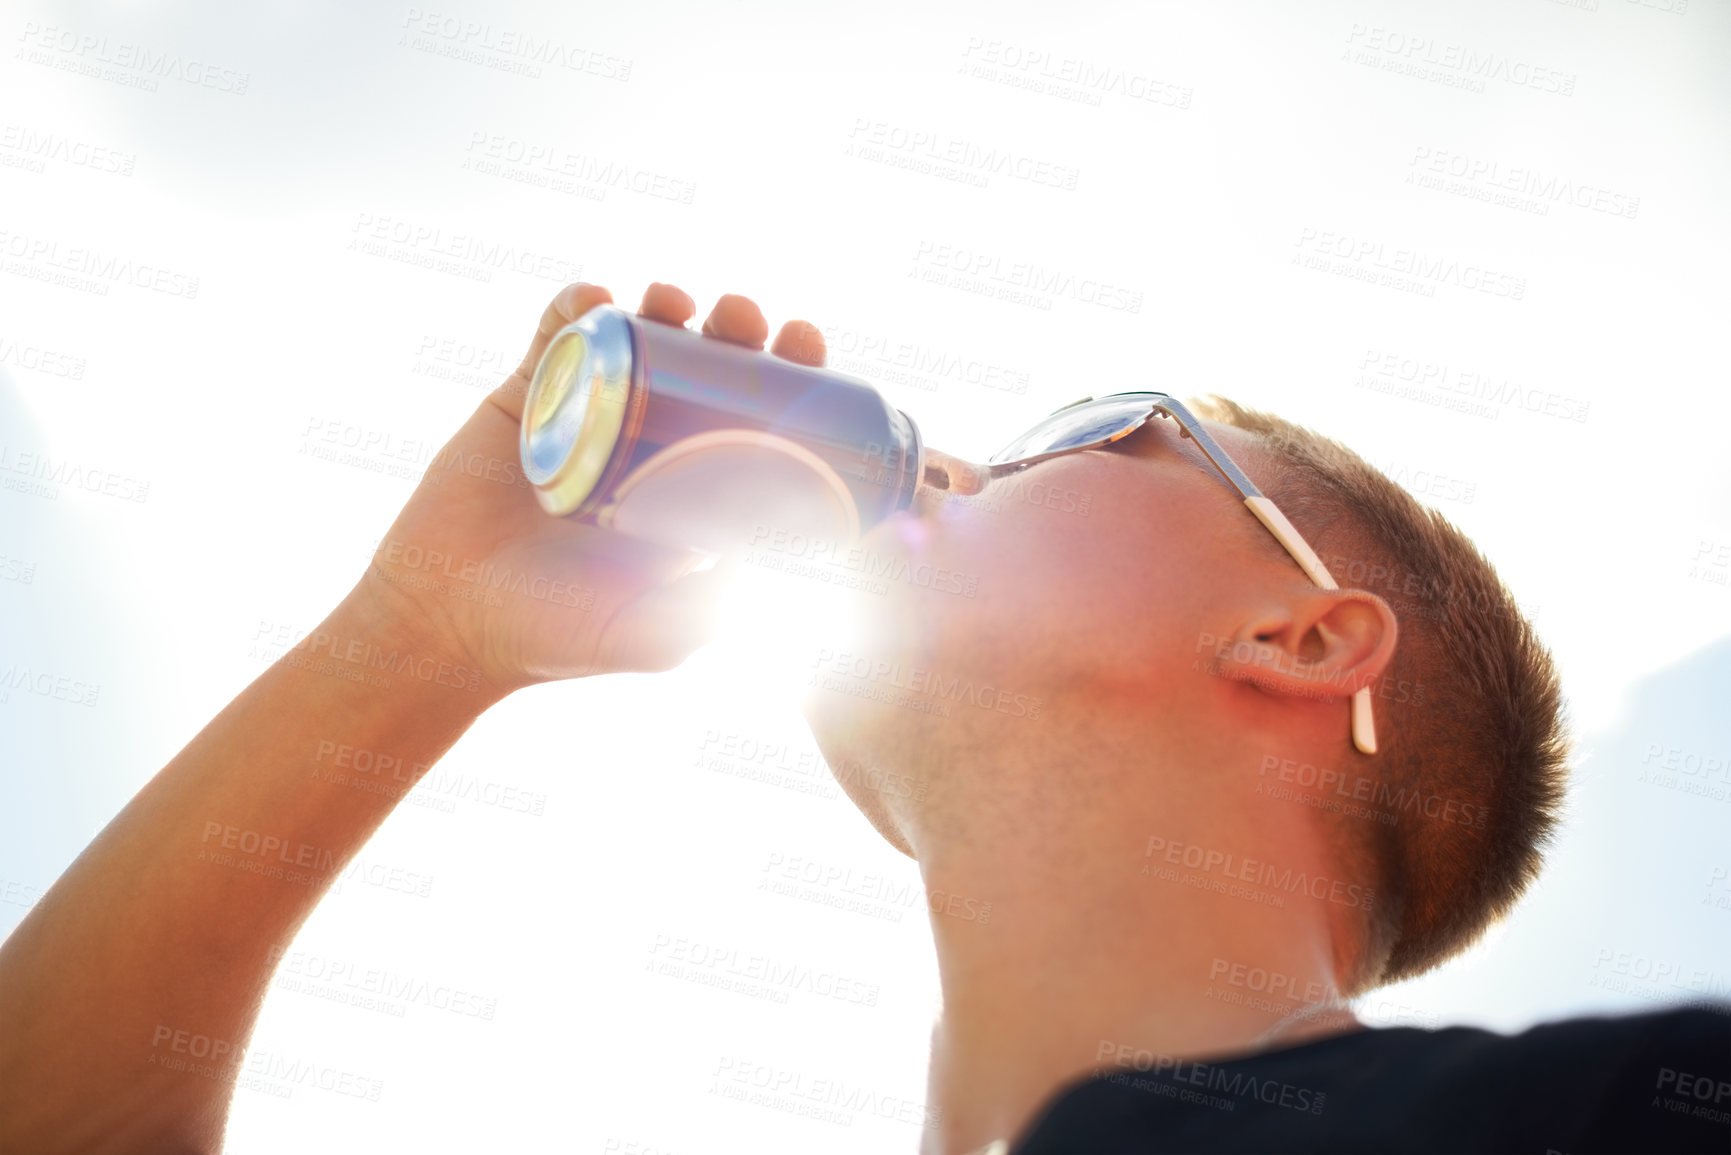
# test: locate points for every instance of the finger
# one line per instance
(668, 304)
(632, 564)
(570, 303)
(800, 341)
(737, 320)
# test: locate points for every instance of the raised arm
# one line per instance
(128, 995)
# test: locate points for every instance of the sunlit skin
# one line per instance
(1047, 818)
(1098, 617)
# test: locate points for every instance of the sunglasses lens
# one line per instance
(1085, 424)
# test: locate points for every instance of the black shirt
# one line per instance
(1650, 1083)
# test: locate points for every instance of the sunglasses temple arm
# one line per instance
(1269, 515)
(1363, 724)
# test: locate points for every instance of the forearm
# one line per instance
(167, 922)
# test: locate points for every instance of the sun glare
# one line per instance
(773, 625)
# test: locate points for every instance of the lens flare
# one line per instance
(776, 617)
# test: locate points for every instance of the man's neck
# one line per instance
(1098, 953)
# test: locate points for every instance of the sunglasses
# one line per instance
(1094, 422)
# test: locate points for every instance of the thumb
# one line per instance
(661, 628)
(570, 303)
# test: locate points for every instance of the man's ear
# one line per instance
(1319, 644)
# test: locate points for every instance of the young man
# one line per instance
(1143, 741)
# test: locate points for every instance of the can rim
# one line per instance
(603, 376)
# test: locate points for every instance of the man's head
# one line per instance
(1138, 652)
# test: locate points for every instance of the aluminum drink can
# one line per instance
(666, 435)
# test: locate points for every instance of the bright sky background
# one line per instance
(1267, 138)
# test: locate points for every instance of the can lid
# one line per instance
(575, 408)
